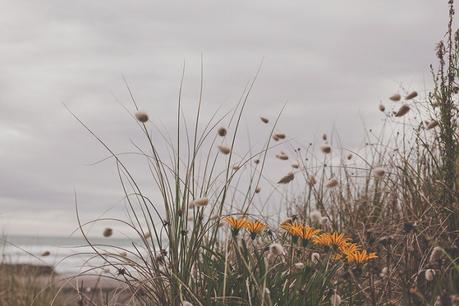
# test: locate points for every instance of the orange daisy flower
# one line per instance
(235, 224)
(254, 227)
(349, 248)
(360, 257)
(308, 232)
(294, 229)
(335, 240)
(304, 232)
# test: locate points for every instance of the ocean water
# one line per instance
(68, 255)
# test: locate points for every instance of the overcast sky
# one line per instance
(331, 61)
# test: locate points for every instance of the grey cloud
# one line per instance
(332, 62)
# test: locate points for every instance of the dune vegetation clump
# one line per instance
(364, 226)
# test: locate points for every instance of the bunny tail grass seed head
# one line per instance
(224, 149)
(201, 202)
(141, 116)
(107, 232)
(384, 272)
(311, 180)
(186, 303)
(299, 266)
(325, 148)
(315, 216)
(331, 183)
(335, 300)
(295, 165)
(411, 95)
(222, 132)
(378, 172)
(257, 189)
(315, 258)
(280, 136)
(275, 138)
(45, 253)
(282, 156)
(429, 274)
(403, 110)
(276, 249)
(324, 137)
(431, 124)
(381, 107)
(287, 179)
(349, 156)
(436, 254)
(395, 97)
(264, 119)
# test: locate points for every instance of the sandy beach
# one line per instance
(63, 289)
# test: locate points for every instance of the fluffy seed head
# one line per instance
(332, 183)
(431, 124)
(382, 107)
(275, 137)
(436, 254)
(378, 172)
(403, 110)
(276, 249)
(280, 135)
(222, 132)
(295, 165)
(429, 274)
(257, 189)
(282, 156)
(395, 97)
(264, 120)
(45, 253)
(325, 148)
(299, 266)
(107, 232)
(287, 179)
(311, 180)
(384, 272)
(335, 300)
(324, 137)
(224, 149)
(141, 116)
(201, 202)
(236, 167)
(349, 156)
(315, 216)
(186, 303)
(315, 258)
(411, 95)
(324, 221)
(147, 235)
